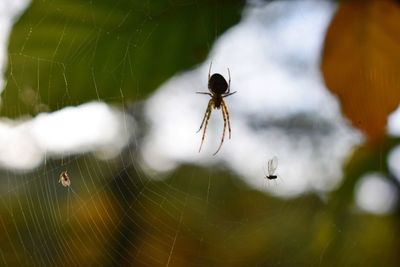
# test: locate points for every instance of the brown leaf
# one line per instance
(361, 62)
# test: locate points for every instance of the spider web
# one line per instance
(157, 202)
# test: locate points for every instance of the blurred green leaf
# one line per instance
(65, 52)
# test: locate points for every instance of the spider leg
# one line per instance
(209, 71)
(209, 76)
(225, 107)
(204, 93)
(206, 118)
(223, 132)
(229, 83)
(205, 115)
(228, 94)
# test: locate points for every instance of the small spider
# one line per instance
(272, 165)
(64, 179)
(219, 89)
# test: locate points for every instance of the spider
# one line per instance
(218, 89)
(64, 179)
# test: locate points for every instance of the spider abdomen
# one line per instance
(217, 84)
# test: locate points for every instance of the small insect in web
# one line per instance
(218, 89)
(66, 182)
(272, 165)
(64, 179)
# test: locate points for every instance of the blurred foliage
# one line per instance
(196, 217)
(66, 52)
(361, 62)
(363, 160)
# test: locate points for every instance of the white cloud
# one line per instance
(376, 194)
(393, 162)
(9, 12)
(91, 127)
(394, 123)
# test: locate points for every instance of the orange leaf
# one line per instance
(361, 62)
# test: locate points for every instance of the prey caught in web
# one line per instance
(218, 89)
(272, 165)
(64, 179)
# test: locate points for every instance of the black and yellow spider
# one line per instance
(219, 89)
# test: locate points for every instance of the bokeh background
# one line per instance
(105, 90)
